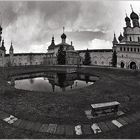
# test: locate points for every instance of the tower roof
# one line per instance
(63, 36)
(52, 44)
(133, 15)
(114, 39)
(11, 47)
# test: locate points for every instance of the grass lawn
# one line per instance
(68, 107)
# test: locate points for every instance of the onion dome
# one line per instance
(63, 36)
(127, 19)
(120, 37)
(0, 29)
(133, 15)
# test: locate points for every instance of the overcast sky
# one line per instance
(30, 25)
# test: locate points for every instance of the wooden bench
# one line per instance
(104, 108)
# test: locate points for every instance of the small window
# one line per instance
(122, 55)
(120, 48)
(130, 38)
(131, 49)
(134, 49)
(128, 49)
(138, 39)
(124, 49)
(95, 62)
(138, 49)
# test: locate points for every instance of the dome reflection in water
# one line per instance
(52, 82)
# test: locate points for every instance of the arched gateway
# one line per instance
(133, 65)
(122, 64)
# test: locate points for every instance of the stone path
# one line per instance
(70, 130)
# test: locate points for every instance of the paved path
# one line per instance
(70, 130)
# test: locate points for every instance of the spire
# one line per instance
(11, 47)
(114, 39)
(125, 13)
(71, 43)
(63, 29)
(53, 40)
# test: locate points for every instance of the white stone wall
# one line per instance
(99, 58)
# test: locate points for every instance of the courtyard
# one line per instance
(67, 108)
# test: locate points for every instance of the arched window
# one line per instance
(131, 49)
(134, 49)
(130, 38)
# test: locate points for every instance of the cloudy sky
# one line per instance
(89, 24)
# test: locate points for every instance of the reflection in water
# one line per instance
(50, 81)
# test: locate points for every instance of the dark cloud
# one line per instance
(30, 23)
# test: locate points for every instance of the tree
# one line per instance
(114, 58)
(87, 60)
(61, 56)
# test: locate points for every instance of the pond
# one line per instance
(51, 82)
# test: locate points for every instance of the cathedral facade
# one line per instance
(127, 48)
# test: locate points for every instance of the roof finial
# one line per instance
(131, 7)
(0, 19)
(125, 13)
(63, 29)
(114, 34)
